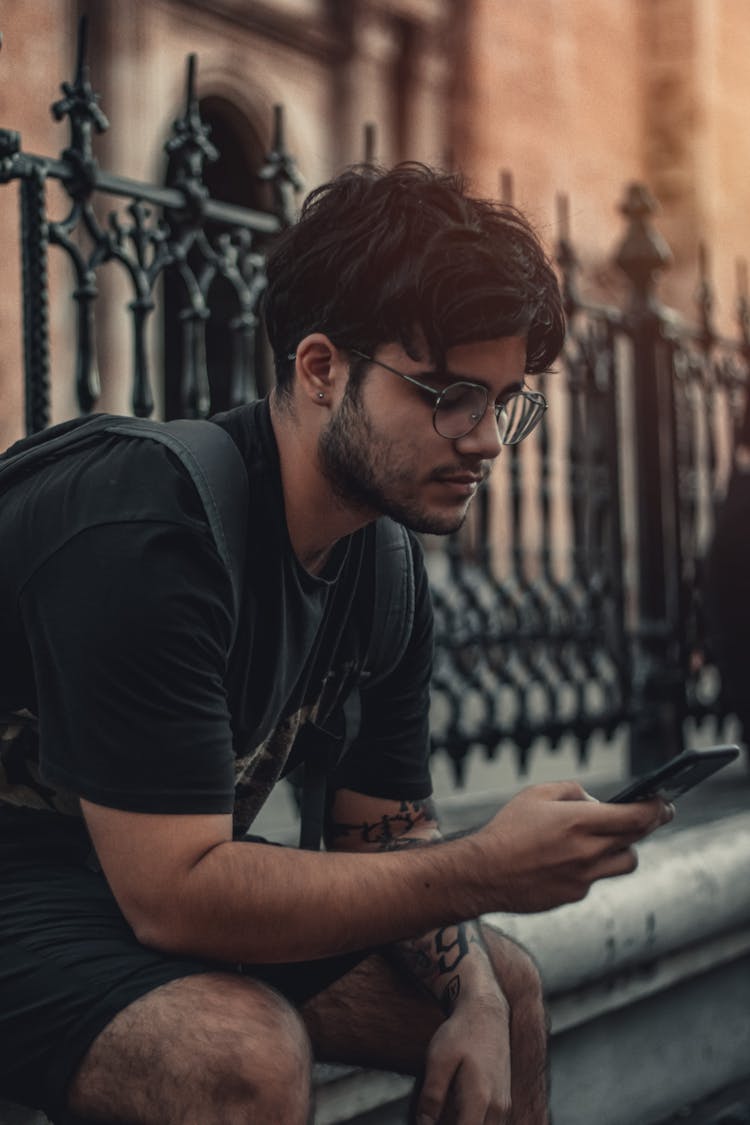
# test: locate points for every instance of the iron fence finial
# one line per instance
(190, 145)
(280, 171)
(704, 298)
(643, 251)
(566, 257)
(80, 105)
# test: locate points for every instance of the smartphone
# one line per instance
(677, 775)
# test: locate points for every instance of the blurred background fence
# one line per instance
(570, 605)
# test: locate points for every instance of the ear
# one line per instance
(320, 368)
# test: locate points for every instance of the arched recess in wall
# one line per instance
(232, 178)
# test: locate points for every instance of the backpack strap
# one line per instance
(391, 624)
(218, 472)
(29, 451)
(207, 451)
(393, 601)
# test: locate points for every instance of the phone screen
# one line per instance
(678, 775)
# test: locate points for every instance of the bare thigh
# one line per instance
(210, 1049)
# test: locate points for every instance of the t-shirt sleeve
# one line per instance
(390, 757)
(129, 628)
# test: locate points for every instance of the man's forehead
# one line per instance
(456, 357)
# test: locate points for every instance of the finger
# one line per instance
(498, 1115)
(499, 1112)
(475, 1113)
(476, 1097)
(434, 1093)
(474, 1108)
(635, 820)
(622, 862)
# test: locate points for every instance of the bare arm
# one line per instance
(450, 961)
(185, 886)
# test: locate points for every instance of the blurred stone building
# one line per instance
(578, 97)
(583, 96)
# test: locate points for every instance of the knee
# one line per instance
(264, 1077)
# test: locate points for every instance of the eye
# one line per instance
(462, 396)
(507, 395)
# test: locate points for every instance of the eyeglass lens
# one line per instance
(462, 407)
(523, 412)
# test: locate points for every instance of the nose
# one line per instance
(485, 440)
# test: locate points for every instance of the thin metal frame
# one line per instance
(536, 397)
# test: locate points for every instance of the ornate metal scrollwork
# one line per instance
(178, 228)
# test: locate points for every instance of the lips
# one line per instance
(465, 477)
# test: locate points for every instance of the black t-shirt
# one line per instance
(117, 616)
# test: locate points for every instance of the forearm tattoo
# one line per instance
(388, 832)
(434, 960)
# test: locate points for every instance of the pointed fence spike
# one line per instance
(704, 295)
(743, 305)
(81, 49)
(192, 68)
(279, 131)
(643, 252)
(370, 142)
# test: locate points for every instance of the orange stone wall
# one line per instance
(583, 96)
(572, 96)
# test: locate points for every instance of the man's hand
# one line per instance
(468, 1065)
(551, 842)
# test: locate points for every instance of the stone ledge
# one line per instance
(691, 886)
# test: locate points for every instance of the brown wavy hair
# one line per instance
(393, 256)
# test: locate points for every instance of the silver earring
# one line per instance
(321, 395)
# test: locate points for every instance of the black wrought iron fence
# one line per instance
(531, 640)
(163, 229)
(580, 611)
(569, 605)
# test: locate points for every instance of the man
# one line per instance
(180, 973)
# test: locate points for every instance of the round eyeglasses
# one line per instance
(462, 405)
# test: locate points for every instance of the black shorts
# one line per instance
(69, 962)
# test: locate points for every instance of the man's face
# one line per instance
(381, 453)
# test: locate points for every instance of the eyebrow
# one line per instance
(512, 389)
(447, 377)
